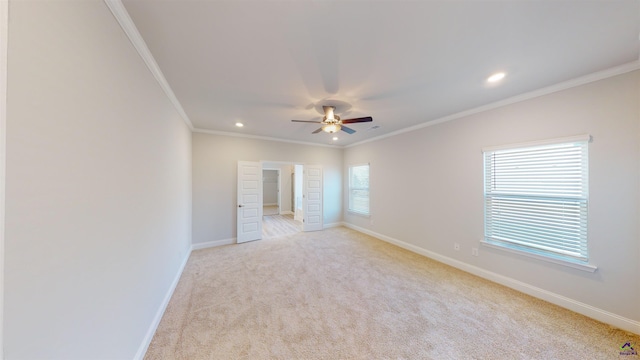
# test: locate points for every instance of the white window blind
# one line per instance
(536, 199)
(359, 189)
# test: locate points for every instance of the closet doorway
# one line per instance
(281, 199)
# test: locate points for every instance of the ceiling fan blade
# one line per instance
(357, 120)
(317, 131)
(347, 130)
(308, 121)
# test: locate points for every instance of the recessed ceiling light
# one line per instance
(239, 124)
(496, 77)
(335, 138)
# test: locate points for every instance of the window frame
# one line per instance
(350, 188)
(530, 251)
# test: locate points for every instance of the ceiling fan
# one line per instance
(332, 123)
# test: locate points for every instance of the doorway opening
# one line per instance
(250, 208)
(281, 199)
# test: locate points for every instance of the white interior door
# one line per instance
(249, 201)
(312, 198)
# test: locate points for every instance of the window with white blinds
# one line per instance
(536, 198)
(359, 189)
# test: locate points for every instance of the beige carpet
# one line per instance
(339, 294)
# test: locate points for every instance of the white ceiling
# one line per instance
(403, 63)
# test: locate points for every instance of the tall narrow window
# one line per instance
(536, 198)
(359, 189)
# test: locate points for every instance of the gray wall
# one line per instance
(215, 160)
(98, 196)
(285, 184)
(297, 196)
(426, 188)
(270, 187)
(286, 188)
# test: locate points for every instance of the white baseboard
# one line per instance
(270, 204)
(213, 243)
(142, 350)
(562, 301)
(286, 212)
(332, 225)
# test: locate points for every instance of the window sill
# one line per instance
(515, 250)
(365, 215)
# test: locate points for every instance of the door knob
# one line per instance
(239, 205)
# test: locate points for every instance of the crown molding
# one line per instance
(258, 137)
(126, 23)
(597, 76)
(122, 16)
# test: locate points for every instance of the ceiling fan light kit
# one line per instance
(332, 123)
(331, 128)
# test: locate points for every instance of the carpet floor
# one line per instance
(340, 294)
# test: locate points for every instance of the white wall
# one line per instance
(215, 159)
(98, 186)
(426, 188)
